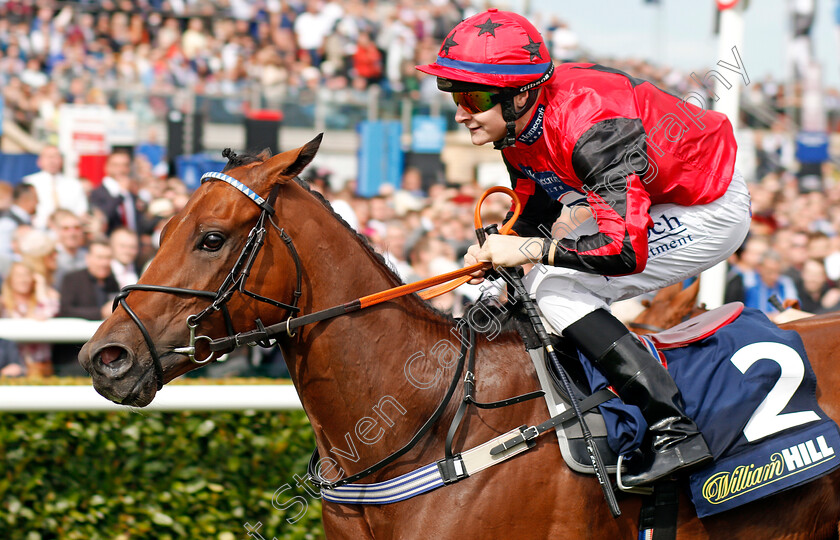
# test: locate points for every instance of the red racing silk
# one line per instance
(619, 144)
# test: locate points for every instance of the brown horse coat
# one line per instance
(345, 367)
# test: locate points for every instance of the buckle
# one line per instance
(534, 433)
(452, 470)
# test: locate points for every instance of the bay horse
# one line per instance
(348, 369)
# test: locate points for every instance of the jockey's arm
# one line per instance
(509, 251)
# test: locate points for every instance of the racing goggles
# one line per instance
(476, 102)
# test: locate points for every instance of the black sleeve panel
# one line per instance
(603, 159)
(539, 210)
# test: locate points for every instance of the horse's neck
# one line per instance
(351, 371)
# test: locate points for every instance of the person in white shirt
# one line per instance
(55, 190)
(125, 246)
(24, 203)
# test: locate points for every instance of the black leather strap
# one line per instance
(322, 483)
(535, 431)
(659, 511)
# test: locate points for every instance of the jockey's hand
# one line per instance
(505, 251)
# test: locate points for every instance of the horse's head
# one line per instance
(199, 278)
(669, 307)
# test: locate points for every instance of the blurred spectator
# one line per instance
(393, 248)
(125, 247)
(11, 364)
(367, 60)
(115, 197)
(311, 28)
(319, 181)
(25, 295)
(89, 293)
(793, 247)
(69, 230)
(54, 189)
(748, 256)
(756, 288)
(24, 205)
(564, 42)
(37, 251)
(6, 194)
(776, 148)
(816, 295)
(24, 202)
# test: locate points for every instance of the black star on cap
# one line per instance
(533, 48)
(450, 42)
(489, 27)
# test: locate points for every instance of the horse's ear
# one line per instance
(688, 296)
(307, 152)
(265, 155)
(667, 293)
(279, 165)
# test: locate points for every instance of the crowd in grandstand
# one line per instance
(67, 247)
(95, 52)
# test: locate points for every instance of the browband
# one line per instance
(238, 185)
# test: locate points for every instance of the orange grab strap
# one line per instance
(505, 229)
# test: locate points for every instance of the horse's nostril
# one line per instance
(109, 355)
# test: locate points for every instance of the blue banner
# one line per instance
(13, 167)
(427, 134)
(189, 168)
(380, 156)
(812, 146)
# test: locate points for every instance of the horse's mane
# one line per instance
(238, 160)
(377, 257)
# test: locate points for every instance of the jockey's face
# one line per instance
(485, 127)
(490, 125)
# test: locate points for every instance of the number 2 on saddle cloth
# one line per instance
(752, 392)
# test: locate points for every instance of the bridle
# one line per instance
(234, 282)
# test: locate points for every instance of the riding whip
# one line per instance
(515, 281)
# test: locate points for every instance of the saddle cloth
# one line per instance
(751, 390)
(569, 434)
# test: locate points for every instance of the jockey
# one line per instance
(654, 174)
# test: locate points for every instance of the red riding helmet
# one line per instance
(497, 49)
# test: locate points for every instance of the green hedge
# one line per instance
(156, 475)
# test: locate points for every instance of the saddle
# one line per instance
(569, 434)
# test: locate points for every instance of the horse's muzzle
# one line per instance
(116, 373)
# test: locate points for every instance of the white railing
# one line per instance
(33, 398)
(228, 397)
(58, 330)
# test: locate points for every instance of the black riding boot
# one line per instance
(673, 442)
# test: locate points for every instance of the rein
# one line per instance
(238, 276)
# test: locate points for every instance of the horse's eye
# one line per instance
(212, 241)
